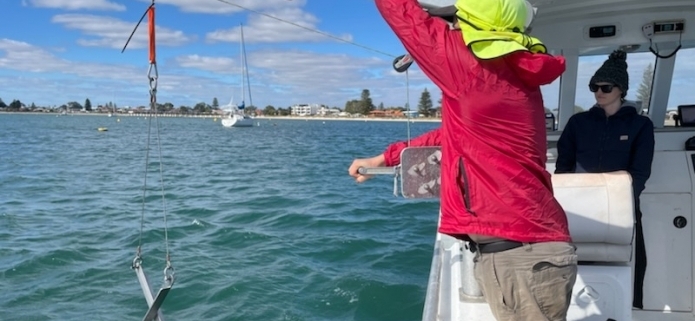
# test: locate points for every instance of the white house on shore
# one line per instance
(325, 111)
(305, 109)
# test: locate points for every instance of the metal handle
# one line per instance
(377, 170)
(402, 63)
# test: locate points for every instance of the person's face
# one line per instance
(605, 93)
(455, 24)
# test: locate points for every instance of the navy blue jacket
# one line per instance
(594, 143)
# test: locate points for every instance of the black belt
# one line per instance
(495, 247)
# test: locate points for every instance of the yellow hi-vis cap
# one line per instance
(494, 28)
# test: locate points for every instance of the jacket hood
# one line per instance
(536, 69)
(627, 109)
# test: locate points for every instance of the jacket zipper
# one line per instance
(604, 137)
(466, 190)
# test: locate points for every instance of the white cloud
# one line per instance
(21, 56)
(112, 32)
(300, 68)
(288, 77)
(62, 80)
(278, 78)
(212, 64)
(78, 4)
(226, 7)
(265, 29)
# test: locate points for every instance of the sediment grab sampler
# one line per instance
(154, 301)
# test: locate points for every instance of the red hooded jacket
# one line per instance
(493, 136)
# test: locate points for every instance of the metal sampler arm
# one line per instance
(419, 172)
(154, 303)
(378, 170)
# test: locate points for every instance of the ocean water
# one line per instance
(263, 223)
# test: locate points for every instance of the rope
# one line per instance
(136, 27)
(246, 67)
(164, 204)
(308, 29)
(407, 103)
(153, 107)
(144, 191)
(152, 76)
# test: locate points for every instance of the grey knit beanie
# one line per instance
(614, 71)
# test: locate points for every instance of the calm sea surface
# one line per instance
(263, 223)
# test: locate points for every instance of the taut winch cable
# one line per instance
(306, 28)
(154, 302)
(407, 77)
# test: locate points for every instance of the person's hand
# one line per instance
(376, 161)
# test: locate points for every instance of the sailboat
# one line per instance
(236, 116)
(112, 111)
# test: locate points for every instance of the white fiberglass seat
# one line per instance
(600, 212)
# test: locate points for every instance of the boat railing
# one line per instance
(430, 310)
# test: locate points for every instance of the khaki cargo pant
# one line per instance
(529, 283)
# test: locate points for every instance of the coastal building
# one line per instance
(325, 111)
(305, 109)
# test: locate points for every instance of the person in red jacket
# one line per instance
(495, 190)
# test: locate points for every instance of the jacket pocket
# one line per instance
(464, 187)
(620, 143)
(552, 281)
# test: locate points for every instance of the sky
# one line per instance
(56, 51)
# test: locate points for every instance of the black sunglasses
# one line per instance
(606, 89)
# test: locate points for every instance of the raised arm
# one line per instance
(424, 37)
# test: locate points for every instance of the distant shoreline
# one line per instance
(429, 120)
(312, 118)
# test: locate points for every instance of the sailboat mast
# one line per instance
(242, 63)
(246, 67)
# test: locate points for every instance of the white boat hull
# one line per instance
(237, 121)
(601, 292)
(603, 289)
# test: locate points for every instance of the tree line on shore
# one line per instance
(364, 105)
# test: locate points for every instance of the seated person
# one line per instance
(612, 136)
